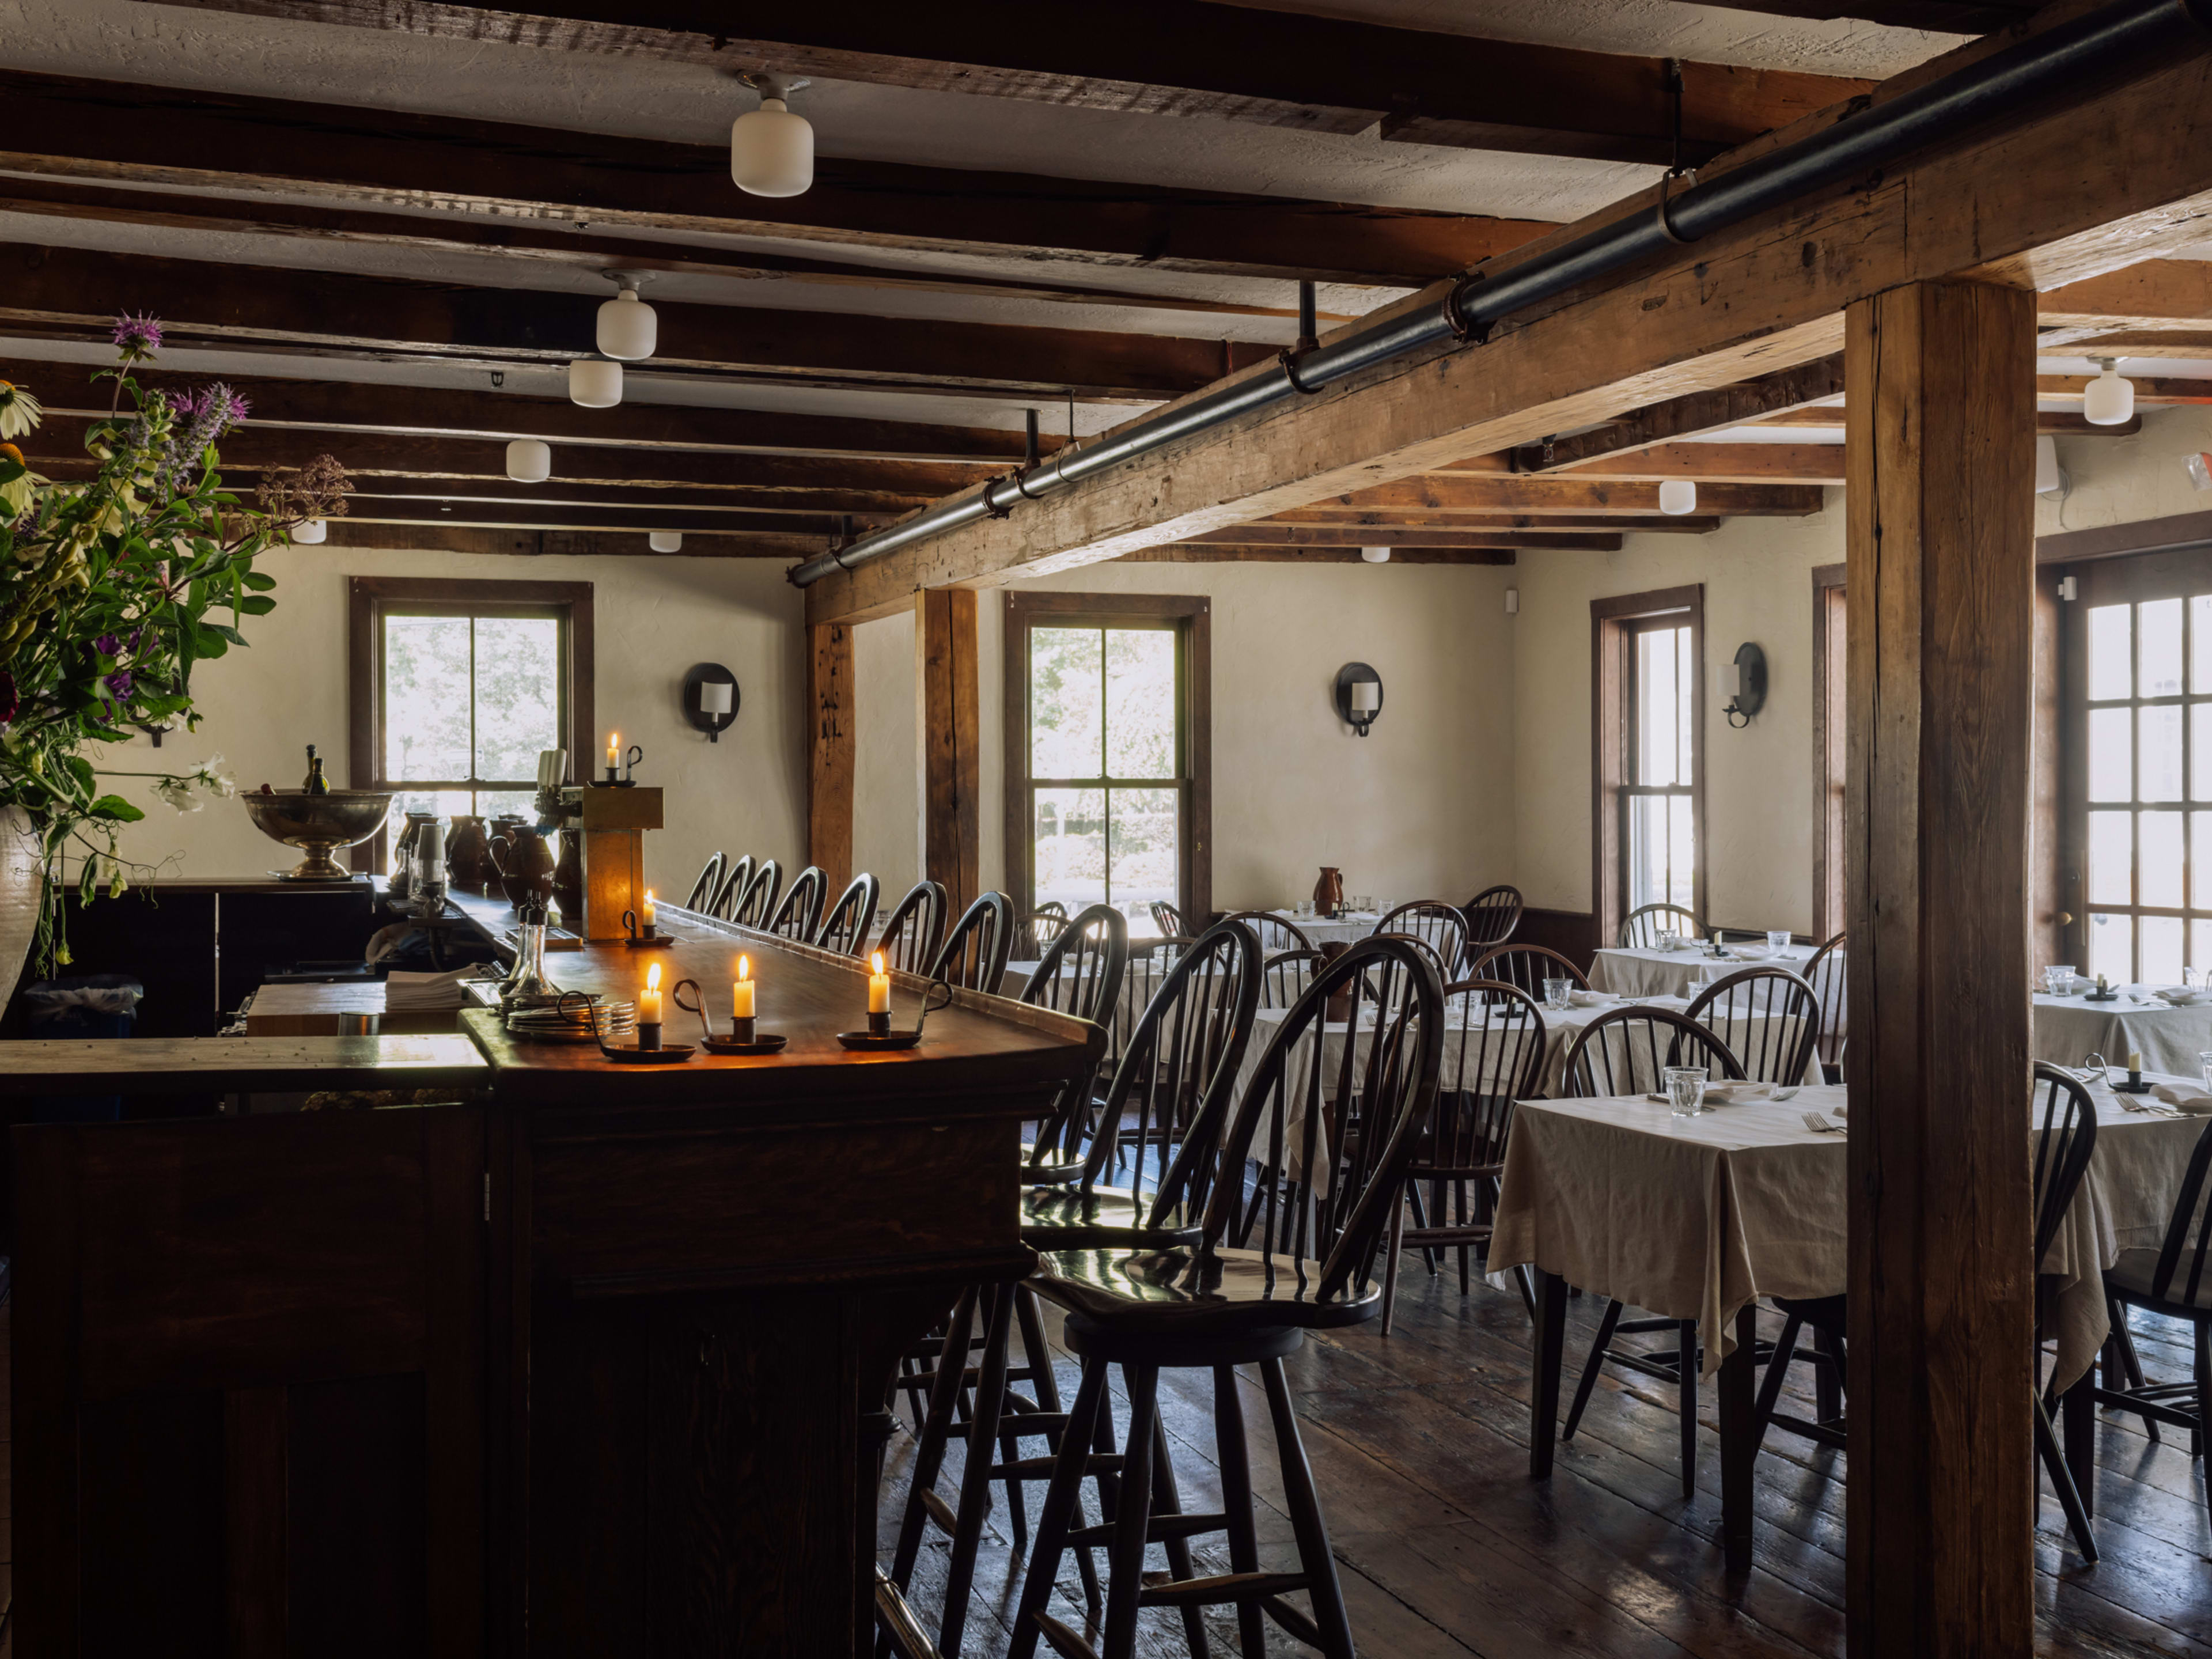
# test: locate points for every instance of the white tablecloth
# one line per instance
(1693, 1217)
(1648, 973)
(2068, 1030)
(1347, 929)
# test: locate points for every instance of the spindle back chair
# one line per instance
(736, 875)
(1625, 1051)
(1441, 926)
(1826, 974)
(1081, 975)
(974, 955)
(914, 929)
(1168, 920)
(1641, 929)
(799, 911)
(709, 882)
(757, 902)
(1526, 967)
(1768, 1017)
(1276, 932)
(1491, 916)
(845, 929)
(1285, 975)
(1044, 925)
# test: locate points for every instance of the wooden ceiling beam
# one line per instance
(67, 290)
(940, 458)
(1270, 532)
(2149, 294)
(1715, 463)
(1445, 492)
(788, 542)
(2043, 196)
(1215, 553)
(2155, 391)
(2049, 422)
(1711, 411)
(544, 544)
(1179, 58)
(1379, 525)
(1943, 16)
(123, 133)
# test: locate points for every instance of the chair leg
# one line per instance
(1527, 1291)
(1590, 1368)
(1421, 1220)
(2062, 1482)
(1167, 1500)
(1827, 1379)
(1046, 1385)
(1315, 1560)
(1777, 1370)
(936, 1424)
(2204, 1393)
(1459, 1208)
(1125, 1563)
(975, 1473)
(1235, 1456)
(1052, 1526)
(1390, 1266)
(1686, 1340)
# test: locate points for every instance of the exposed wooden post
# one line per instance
(1940, 504)
(952, 802)
(830, 746)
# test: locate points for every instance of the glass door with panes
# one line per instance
(1658, 831)
(1107, 795)
(2137, 857)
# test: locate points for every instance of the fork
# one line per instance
(1821, 1126)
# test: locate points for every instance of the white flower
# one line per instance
(209, 779)
(177, 792)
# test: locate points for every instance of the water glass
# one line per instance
(1778, 939)
(1555, 993)
(2058, 979)
(2204, 1069)
(1685, 1090)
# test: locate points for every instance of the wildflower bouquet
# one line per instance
(113, 586)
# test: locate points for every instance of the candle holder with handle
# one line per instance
(760, 1042)
(874, 1039)
(669, 1054)
(651, 939)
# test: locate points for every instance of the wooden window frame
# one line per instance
(1190, 616)
(369, 597)
(1611, 631)
(1830, 766)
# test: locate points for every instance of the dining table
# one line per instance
(1345, 927)
(1697, 1218)
(2138, 1021)
(1648, 971)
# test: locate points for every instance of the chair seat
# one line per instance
(2133, 1274)
(1232, 1290)
(1831, 1314)
(1105, 1218)
(1049, 1174)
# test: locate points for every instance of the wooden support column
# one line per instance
(830, 750)
(1939, 506)
(951, 795)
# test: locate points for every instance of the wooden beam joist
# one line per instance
(541, 543)
(1216, 553)
(2049, 422)
(1452, 492)
(1380, 525)
(1271, 532)
(74, 293)
(1186, 57)
(2153, 390)
(495, 515)
(1743, 464)
(2014, 199)
(1715, 409)
(123, 133)
(2149, 295)
(1943, 17)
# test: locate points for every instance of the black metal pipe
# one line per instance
(2093, 44)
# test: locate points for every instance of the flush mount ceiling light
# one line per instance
(627, 329)
(311, 534)
(2108, 400)
(1376, 554)
(1678, 496)
(595, 383)
(529, 461)
(771, 150)
(665, 541)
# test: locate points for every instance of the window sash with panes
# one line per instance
(467, 697)
(1658, 730)
(2146, 770)
(1109, 787)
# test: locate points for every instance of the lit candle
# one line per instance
(880, 987)
(741, 992)
(2135, 1064)
(614, 749)
(648, 1010)
(648, 909)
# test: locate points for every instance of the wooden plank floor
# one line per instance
(1420, 1444)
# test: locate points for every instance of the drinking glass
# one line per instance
(2058, 979)
(1555, 993)
(2204, 1069)
(1778, 939)
(1685, 1090)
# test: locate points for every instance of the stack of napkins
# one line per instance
(2184, 1096)
(426, 993)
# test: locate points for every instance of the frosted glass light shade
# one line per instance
(627, 328)
(595, 383)
(1376, 554)
(529, 461)
(665, 541)
(2049, 480)
(1366, 697)
(771, 150)
(714, 697)
(2108, 400)
(1678, 496)
(311, 534)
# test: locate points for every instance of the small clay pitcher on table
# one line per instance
(468, 854)
(568, 881)
(526, 868)
(1340, 1000)
(497, 839)
(1328, 891)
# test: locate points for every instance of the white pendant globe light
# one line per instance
(2109, 400)
(311, 534)
(665, 541)
(595, 383)
(771, 150)
(529, 461)
(627, 328)
(1376, 554)
(1678, 496)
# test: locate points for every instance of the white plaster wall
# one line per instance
(2121, 480)
(654, 618)
(1759, 780)
(886, 798)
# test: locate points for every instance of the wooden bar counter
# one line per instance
(592, 1361)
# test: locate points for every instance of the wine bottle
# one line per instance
(316, 784)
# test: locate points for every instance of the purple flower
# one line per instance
(8, 700)
(108, 646)
(137, 336)
(119, 683)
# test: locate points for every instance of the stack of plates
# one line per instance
(617, 1022)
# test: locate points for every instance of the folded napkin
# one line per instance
(1593, 998)
(1742, 1094)
(424, 994)
(2184, 1096)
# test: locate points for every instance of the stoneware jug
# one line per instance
(525, 867)
(468, 854)
(1328, 891)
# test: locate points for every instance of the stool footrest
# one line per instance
(1161, 1528)
(939, 1511)
(1063, 1641)
(1040, 1468)
(1161, 1591)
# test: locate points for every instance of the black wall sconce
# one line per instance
(1358, 695)
(710, 699)
(1743, 682)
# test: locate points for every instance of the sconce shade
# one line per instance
(710, 699)
(1358, 695)
(665, 541)
(628, 328)
(311, 532)
(594, 383)
(714, 697)
(1366, 697)
(772, 151)
(529, 461)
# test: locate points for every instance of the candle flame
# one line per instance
(613, 737)
(878, 960)
(744, 967)
(652, 977)
(649, 895)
